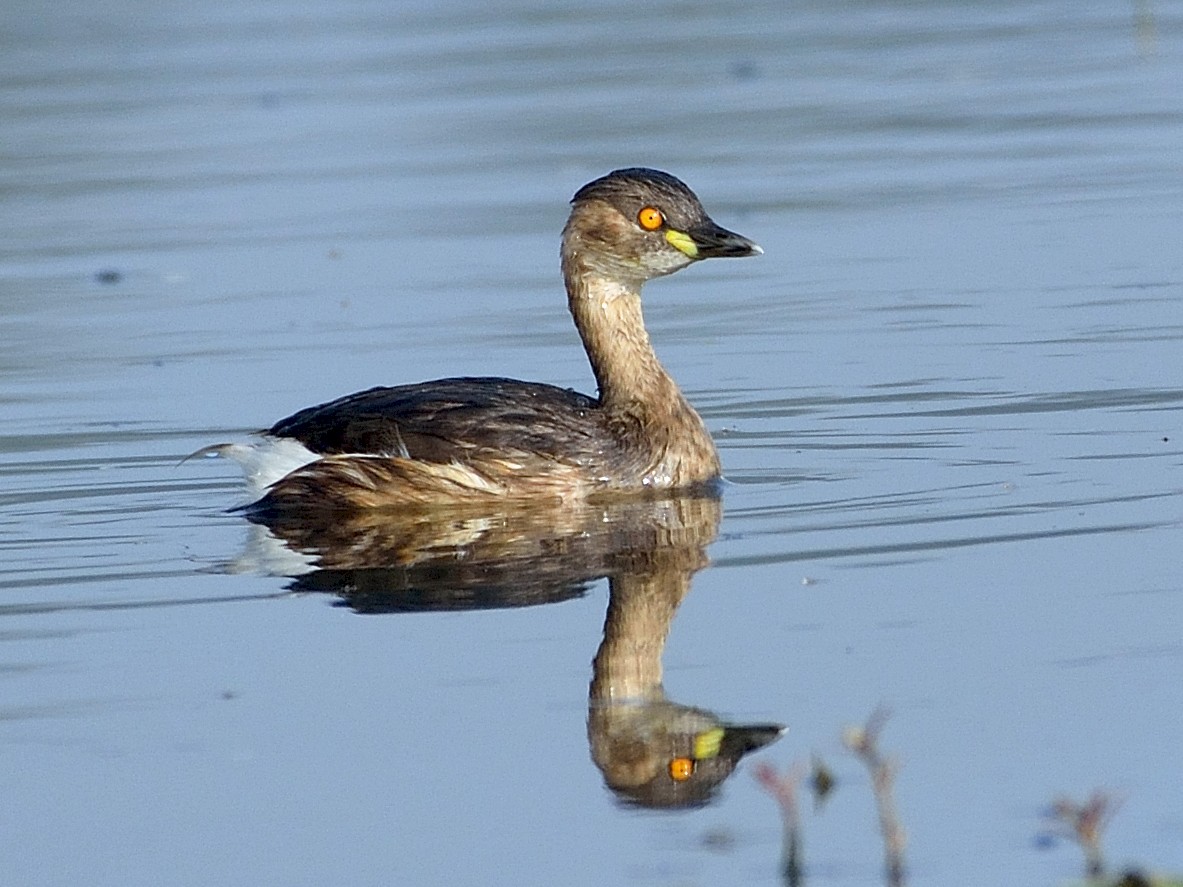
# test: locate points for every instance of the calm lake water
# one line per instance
(949, 400)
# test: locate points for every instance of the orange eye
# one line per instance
(681, 769)
(650, 218)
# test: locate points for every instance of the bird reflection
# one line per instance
(650, 750)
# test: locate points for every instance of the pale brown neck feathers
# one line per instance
(608, 316)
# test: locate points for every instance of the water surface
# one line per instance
(948, 400)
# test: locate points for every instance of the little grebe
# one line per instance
(474, 440)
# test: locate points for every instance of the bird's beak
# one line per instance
(738, 741)
(709, 241)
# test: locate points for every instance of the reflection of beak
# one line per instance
(734, 742)
(709, 241)
(738, 741)
(718, 750)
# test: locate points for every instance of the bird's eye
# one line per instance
(650, 218)
(681, 769)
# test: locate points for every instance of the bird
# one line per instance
(495, 441)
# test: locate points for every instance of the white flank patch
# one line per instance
(266, 459)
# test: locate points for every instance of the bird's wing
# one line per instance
(452, 420)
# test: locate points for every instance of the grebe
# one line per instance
(488, 440)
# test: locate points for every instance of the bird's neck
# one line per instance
(607, 313)
(627, 666)
(642, 403)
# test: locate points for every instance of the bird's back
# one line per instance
(449, 419)
(453, 439)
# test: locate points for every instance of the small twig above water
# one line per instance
(1084, 823)
(864, 742)
(783, 788)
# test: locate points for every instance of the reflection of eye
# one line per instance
(681, 769)
(650, 218)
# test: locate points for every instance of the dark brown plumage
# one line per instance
(468, 440)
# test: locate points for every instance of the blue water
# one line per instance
(948, 400)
